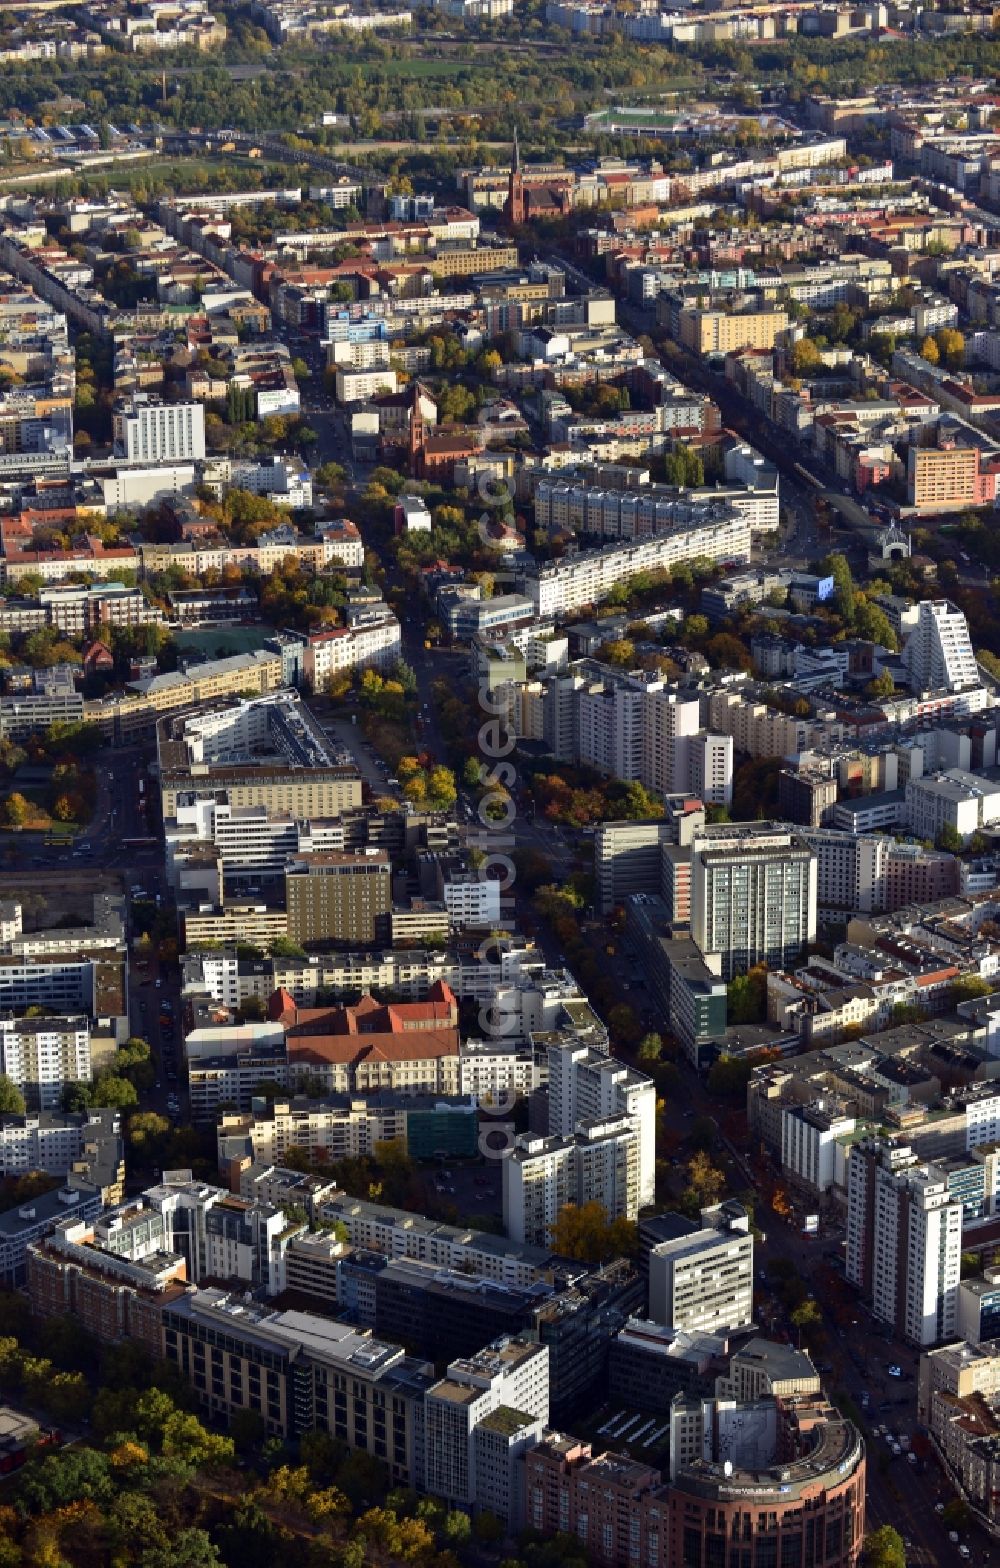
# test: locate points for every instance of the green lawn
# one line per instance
(420, 68)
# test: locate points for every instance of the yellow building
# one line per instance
(941, 479)
(720, 332)
(466, 261)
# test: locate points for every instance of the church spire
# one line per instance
(514, 207)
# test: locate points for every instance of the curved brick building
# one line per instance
(793, 1497)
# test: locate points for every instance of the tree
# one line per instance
(930, 351)
(949, 839)
(727, 652)
(148, 1134)
(746, 997)
(619, 651)
(584, 1231)
(650, 1048)
(871, 621)
(881, 685)
(951, 345)
(683, 467)
(11, 1098)
(806, 1315)
(966, 987)
(729, 1075)
(185, 1438)
(456, 1528)
(623, 1024)
(112, 1090)
(190, 1547)
(884, 1548)
(487, 1528)
(706, 1183)
(956, 1514)
(66, 1477)
(806, 357)
(16, 810)
(284, 947)
(330, 476)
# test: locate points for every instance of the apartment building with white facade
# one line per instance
(938, 654)
(511, 1376)
(149, 431)
(809, 1142)
(753, 897)
(613, 502)
(472, 901)
(42, 1055)
(702, 1281)
(955, 799)
(631, 726)
(589, 1085)
(904, 1240)
(374, 642)
(599, 1162)
(717, 533)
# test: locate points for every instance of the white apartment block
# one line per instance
(561, 503)
(753, 898)
(953, 799)
(148, 431)
(342, 543)
(375, 643)
(518, 985)
(810, 1152)
(472, 901)
(414, 514)
(42, 1055)
(513, 1376)
(493, 1070)
(618, 502)
(48, 1141)
(850, 869)
(357, 386)
(904, 1240)
(330, 1132)
(588, 1086)
(710, 769)
(562, 587)
(359, 354)
(598, 1163)
(398, 1233)
(283, 480)
(247, 838)
(671, 722)
(220, 1235)
(609, 728)
(630, 726)
(938, 654)
(703, 1281)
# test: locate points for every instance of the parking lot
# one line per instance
(374, 771)
(471, 1189)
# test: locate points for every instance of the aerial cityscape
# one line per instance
(499, 784)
